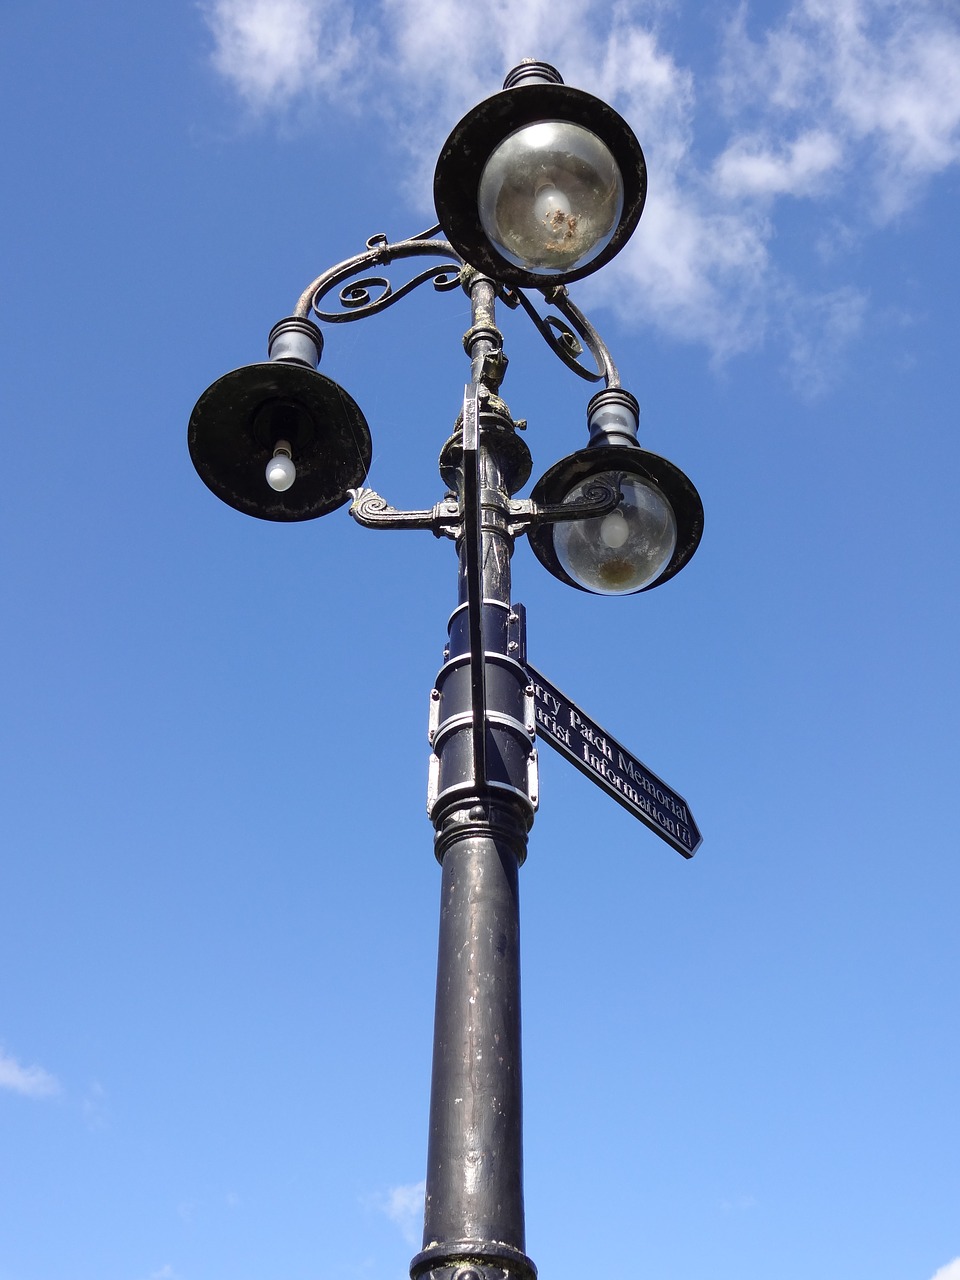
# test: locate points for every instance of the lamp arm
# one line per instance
(595, 344)
(372, 293)
(372, 511)
(563, 336)
(598, 499)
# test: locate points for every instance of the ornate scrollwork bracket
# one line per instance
(567, 337)
(598, 499)
(444, 520)
(373, 293)
(374, 512)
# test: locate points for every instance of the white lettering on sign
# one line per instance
(602, 758)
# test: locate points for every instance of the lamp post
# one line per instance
(538, 185)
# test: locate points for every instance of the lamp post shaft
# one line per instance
(474, 1215)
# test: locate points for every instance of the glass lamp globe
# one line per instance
(550, 196)
(624, 551)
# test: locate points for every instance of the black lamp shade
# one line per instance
(630, 461)
(465, 154)
(238, 422)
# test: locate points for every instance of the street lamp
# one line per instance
(539, 185)
(648, 538)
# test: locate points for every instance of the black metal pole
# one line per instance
(482, 807)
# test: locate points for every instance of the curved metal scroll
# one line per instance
(372, 293)
(363, 295)
(374, 512)
(563, 336)
(597, 499)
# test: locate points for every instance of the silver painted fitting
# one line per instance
(296, 341)
(532, 72)
(613, 416)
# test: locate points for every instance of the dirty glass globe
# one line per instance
(625, 550)
(550, 197)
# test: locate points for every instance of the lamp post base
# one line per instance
(472, 1260)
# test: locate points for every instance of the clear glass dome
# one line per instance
(624, 551)
(550, 197)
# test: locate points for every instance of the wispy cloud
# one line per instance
(754, 167)
(851, 106)
(404, 1207)
(274, 50)
(950, 1272)
(94, 1106)
(30, 1082)
(881, 80)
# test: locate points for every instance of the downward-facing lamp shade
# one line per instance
(648, 538)
(540, 184)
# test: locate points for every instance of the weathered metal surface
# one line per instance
(483, 743)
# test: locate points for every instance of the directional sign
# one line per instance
(612, 767)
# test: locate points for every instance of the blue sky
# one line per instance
(219, 899)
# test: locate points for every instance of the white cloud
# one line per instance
(749, 167)
(849, 105)
(404, 1206)
(880, 78)
(950, 1272)
(818, 328)
(696, 274)
(31, 1082)
(273, 50)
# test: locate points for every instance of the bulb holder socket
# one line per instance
(613, 417)
(296, 340)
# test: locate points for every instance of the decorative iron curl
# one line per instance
(563, 336)
(372, 293)
(356, 299)
(374, 512)
(360, 297)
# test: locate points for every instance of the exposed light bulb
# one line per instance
(625, 550)
(550, 196)
(280, 471)
(551, 206)
(614, 529)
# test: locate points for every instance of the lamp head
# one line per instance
(250, 426)
(540, 184)
(647, 539)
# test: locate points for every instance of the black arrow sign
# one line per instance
(612, 767)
